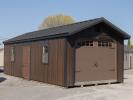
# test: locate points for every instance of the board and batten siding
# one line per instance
(52, 73)
(13, 68)
(70, 65)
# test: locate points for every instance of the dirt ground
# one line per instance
(13, 88)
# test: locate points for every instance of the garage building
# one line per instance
(82, 53)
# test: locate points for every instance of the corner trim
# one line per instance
(65, 62)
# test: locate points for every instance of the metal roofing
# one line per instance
(65, 30)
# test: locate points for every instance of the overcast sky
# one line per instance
(21, 16)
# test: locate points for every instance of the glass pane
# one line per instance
(45, 53)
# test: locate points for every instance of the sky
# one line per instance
(21, 16)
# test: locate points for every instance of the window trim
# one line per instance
(89, 43)
(12, 54)
(45, 50)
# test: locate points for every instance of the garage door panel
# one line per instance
(95, 63)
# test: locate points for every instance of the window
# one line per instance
(85, 43)
(45, 52)
(104, 44)
(12, 54)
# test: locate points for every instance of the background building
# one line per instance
(128, 57)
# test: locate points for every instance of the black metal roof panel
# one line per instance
(65, 30)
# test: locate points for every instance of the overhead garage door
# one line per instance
(95, 61)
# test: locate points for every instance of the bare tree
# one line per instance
(56, 20)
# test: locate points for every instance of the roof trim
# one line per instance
(38, 38)
(102, 19)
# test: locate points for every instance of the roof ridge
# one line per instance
(73, 23)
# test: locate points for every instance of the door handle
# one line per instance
(96, 65)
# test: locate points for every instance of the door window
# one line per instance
(85, 43)
(104, 44)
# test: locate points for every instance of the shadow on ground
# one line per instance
(2, 79)
(1, 70)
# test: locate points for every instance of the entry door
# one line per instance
(26, 62)
(95, 61)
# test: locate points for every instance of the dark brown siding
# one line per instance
(53, 72)
(120, 60)
(70, 64)
(7, 66)
(13, 68)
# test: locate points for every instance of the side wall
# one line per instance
(52, 73)
(13, 68)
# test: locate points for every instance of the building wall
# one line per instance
(1, 57)
(52, 73)
(108, 34)
(13, 68)
(128, 60)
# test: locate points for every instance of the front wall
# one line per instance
(107, 34)
(52, 73)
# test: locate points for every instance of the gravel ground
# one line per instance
(13, 88)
